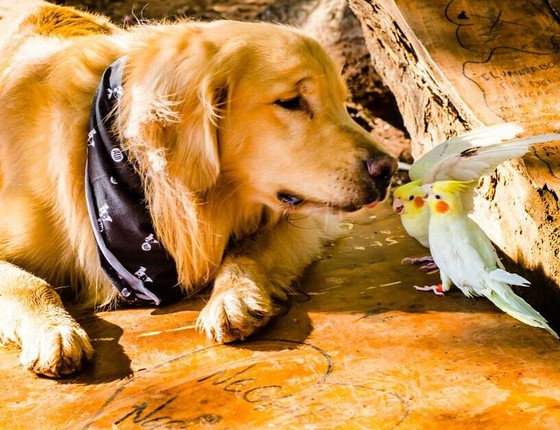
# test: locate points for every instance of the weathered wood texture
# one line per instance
(359, 349)
(455, 64)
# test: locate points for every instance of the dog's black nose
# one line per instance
(382, 169)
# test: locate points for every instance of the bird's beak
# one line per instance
(427, 188)
(398, 206)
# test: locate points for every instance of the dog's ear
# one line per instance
(173, 108)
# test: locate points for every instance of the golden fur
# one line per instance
(219, 118)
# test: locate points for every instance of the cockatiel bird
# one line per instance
(466, 157)
(467, 258)
(408, 202)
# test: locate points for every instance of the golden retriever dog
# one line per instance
(242, 149)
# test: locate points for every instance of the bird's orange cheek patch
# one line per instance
(442, 207)
(418, 202)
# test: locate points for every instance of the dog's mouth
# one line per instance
(293, 201)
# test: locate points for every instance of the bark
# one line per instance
(455, 64)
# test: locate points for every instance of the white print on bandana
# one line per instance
(117, 92)
(103, 217)
(148, 242)
(117, 155)
(125, 222)
(91, 138)
(141, 274)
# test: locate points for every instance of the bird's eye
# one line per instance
(411, 198)
(295, 103)
(437, 196)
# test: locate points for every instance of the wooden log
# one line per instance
(456, 64)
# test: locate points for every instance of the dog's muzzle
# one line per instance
(381, 170)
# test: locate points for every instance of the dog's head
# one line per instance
(260, 105)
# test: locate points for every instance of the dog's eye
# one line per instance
(295, 103)
(289, 199)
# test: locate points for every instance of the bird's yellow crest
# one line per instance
(407, 188)
(453, 186)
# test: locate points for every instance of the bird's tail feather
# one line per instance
(500, 275)
(509, 302)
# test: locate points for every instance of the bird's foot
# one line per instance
(437, 289)
(419, 260)
(428, 267)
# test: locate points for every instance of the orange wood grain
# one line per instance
(501, 58)
(359, 348)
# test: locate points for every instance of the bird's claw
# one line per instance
(428, 267)
(437, 289)
(419, 260)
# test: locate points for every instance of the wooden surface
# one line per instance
(359, 349)
(501, 58)
(482, 61)
(454, 65)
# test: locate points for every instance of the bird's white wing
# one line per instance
(454, 249)
(489, 134)
(484, 246)
(478, 161)
(455, 145)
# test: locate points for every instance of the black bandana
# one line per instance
(129, 251)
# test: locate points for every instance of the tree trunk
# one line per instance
(456, 64)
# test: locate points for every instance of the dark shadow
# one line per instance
(193, 303)
(292, 323)
(543, 294)
(110, 362)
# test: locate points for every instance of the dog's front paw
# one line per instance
(56, 350)
(243, 300)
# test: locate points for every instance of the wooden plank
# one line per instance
(359, 348)
(502, 58)
(485, 61)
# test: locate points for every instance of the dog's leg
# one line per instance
(33, 316)
(254, 281)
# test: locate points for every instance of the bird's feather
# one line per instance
(500, 275)
(515, 306)
(477, 161)
(455, 145)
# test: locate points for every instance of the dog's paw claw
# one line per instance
(226, 320)
(228, 317)
(244, 299)
(56, 351)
